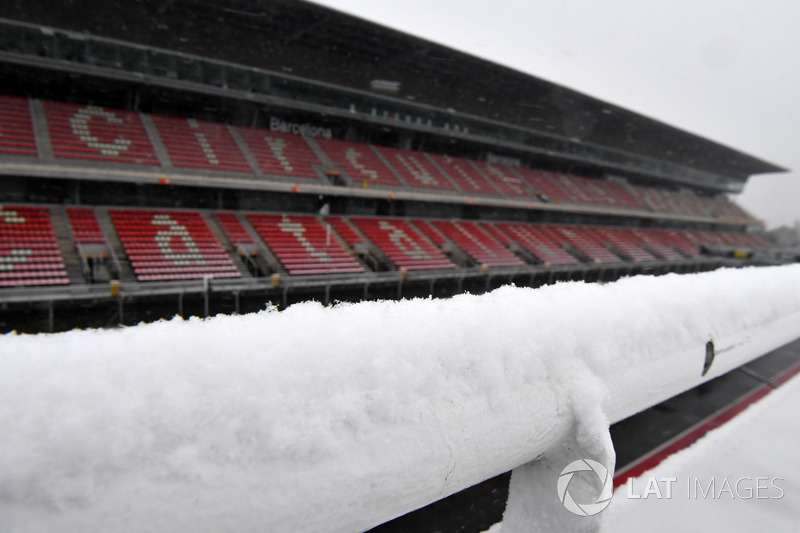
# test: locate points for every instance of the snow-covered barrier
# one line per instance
(337, 419)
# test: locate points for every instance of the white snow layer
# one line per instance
(339, 418)
(744, 476)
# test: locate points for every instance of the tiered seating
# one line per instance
(672, 202)
(416, 169)
(95, 133)
(659, 243)
(504, 179)
(477, 243)
(16, 129)
(689, 203)
(85, 228)
(739, 240)
(727, 238)
(233, 228)
(625, 240)
(281, 154)
(171, 245)
(360, 162)
(464, 175)
(535, 241)
(753, 241)
(495, 232)
(595, 189)
(604, 192)
(303, 245)
(29, 253)
(543, 183)
(654, 199)
(622, 195)
(572, 187)
(402, 243)
(430, 231)
(345, 230)
(709, 238)
(581, 239)
(679, 240)
(723, 208)
(193, 143)
(559, 187)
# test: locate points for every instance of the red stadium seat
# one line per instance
(625, 240)
(582, 239)
(360, 162)
(678, 240)
(543, 183)
(430, 231)
(303, 244)
(572, 187)
(416, 169)
(96, 133)
(193, 143)
(233, 228)
(535, 241)
(478, 243)
(281, 154)
(659, 243)
(465, 176)
(85, 228)
(672, 202)
(29, 253)
(402, 243)
(725, 210)
(16, 128)
(171, 245)
(505, 180)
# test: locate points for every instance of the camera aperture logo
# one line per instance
(595, 469)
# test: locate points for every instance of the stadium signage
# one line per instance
(305, 129)
(503, 160)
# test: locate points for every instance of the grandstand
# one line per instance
(166, 169)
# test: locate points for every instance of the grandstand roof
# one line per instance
(314, 42)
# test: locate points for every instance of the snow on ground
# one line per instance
(743, 476)
(336, 419)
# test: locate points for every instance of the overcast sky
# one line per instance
(728, 70)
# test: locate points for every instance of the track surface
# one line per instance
(641, 441)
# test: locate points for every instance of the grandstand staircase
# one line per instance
(126, 272)
(319, 152)
(266, 260)
(629, 188)
(338, 238)
(41, 132)
(448, 247)
(444, 174)
(66, 245)
(155, 140)
(576, 252)
(388, 165)
(343, 178)
(226, 244)
(488, 179)
(457, 255)
(523, 253)
(370, 256)
(246, 152)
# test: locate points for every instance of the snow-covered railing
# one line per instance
(338, 419)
